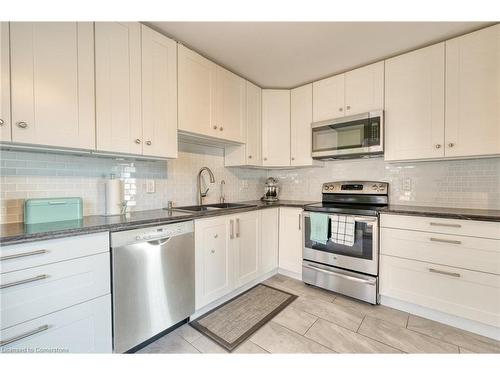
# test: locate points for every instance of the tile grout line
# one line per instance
(307, 330)
(307, 338)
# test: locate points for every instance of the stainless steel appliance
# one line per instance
(271, 190)
(348, 269)
(349, 137)
(153, 281)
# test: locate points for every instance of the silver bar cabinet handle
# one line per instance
(21, 255)
(25, 281)
(446, 225)
(231, 229)
(300, 221)
(455, 242)
(24, 335)
(237, 227)
(454, 274)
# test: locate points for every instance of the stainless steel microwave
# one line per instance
(349, 137)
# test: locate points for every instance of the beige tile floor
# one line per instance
(323, 322)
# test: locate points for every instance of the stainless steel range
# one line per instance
(341, 238)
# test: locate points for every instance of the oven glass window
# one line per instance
(362, 247)
(351, 135)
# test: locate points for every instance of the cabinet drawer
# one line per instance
(83, 328)
(37, 291)
(468, 294)
(33, 254)
(486, 229)
(479, 254)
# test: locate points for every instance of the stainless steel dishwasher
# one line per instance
(153, 281)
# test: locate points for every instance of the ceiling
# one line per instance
(288, 54)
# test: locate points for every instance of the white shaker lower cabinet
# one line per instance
(269, 227)
(230, 252)
(244, 244)
(83, 328)
(212, 260)
(56, 295)
(446, 265)
(290, 241)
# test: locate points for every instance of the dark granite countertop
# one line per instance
(444, 212)
(15, 233)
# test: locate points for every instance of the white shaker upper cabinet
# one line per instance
(276, 128)
(301, 100)
(53, 83)
(231, 106)
(118, 87)
(254, 125)
(364, 89)
(414, 105)
(328, 98)
(197, 93)
(5, 125)
(159, 94)
(473, 94)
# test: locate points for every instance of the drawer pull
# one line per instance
(25, 281)
(21, 255)
(446, 225)
(455, 242)
(454, 274)
(24, 335)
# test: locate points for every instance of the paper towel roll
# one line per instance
(114, 197)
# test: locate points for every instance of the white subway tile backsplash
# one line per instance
(27, 175)
(471, 183)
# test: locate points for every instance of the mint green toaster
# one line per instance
(44, 210)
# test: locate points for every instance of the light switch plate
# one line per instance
(150, 186)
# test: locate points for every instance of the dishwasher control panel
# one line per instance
(151, 233)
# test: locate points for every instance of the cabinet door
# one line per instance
(82, 328)
(290, 240)
(231, 106)
(414, 105)
(269, 219)
(473, 93)
(247, 237)
(213, 262)
(159, 94)
(364, 89)
(197, 89)
(276, 128)
(5, 125)
(52, 83)
(254, 125)
(300, 125)
(328, 98)
(118, 86)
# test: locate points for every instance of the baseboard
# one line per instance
(233, 294)
(438, 316)
(293, 275)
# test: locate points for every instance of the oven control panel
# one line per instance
(355, 187)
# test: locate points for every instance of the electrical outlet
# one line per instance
(150, 186)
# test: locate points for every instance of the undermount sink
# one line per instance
(212, 207)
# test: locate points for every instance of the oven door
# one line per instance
(362, 256)
(356, 135)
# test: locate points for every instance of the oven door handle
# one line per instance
(347, 277)
(359, 219)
